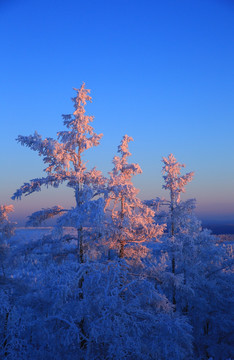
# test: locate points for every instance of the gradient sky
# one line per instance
(159, 71)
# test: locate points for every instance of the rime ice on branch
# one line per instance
(64, 163)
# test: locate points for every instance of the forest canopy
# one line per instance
(135, 280)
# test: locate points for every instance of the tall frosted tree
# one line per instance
(132, 295)
(132, 221)
(64, 163)
(198, 276)
(175, 183)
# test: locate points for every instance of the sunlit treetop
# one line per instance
(63, 157)
(173, 180)
(80, 134)
(121, 165)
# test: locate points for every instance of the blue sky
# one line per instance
(159, 71)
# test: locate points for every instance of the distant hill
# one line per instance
(219, 229)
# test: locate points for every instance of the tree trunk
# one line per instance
(121, 252)
(5, 333)
(173, 265)
(173, 272)
(83, 342)
(80, 245)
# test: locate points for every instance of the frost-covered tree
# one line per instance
(136, 304)
(206, 296)
(44, 322)
(175, 183)
(127, 316)
(198, 273)
(131, 319)
(7, 229)
(132, 222)
(64, 163)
